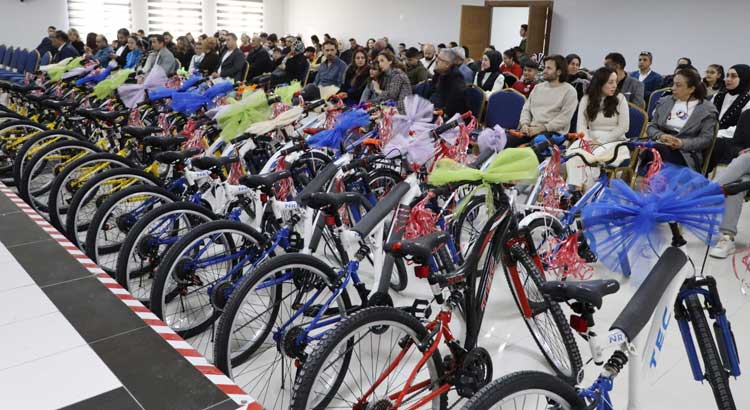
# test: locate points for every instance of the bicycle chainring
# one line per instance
(475, 372)
(289, 345)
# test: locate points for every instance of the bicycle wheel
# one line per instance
(114, 219)
(12, 135)
(376, 343)
(469, 225)
(715, 373)
(200, 272)
(307, 166)
(547, 324)
(381, 181)
(150, 239)
(36, 142)
(255, 338)
(44, 166)
(72, 178)
(94, 192)
(526, 390)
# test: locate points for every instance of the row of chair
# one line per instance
(16, 62)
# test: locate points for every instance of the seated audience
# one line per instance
(466, 72)
(211, 59)
(414, 68)
(168, 43)
(489, 78)
(448, 85)
(276, 57)
(160, 56)
(603, 118)
(681, 62)
(294, 66)
(714, 79)
(197, 57)
(577, 77)
(731, 102)
(232, 61)
(135, 52)
(347, 55)
(375, 76)
(61, 48)
(428, 57)
(511, 65)
(395, 84)
(121, 50)
(685, 121)
(258, 58)
(332, 70)
(184, 51)
(551, 104)
(356, 78)
(527, 83)
(651, 79)
(46, 44)
(75, 40)
(245, 45)
(631, 88)
(103, 51)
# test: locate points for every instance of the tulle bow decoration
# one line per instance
(335, 136)
(239, 115)
(512, 164)
(417, 117)
(286, 93)
(189, 102)
(418, 149)
(75, 72)
(56, 71)
(187, 84)
(108, 86)
(623, 226)
(94, 78)
(493, 139)
(134, 94)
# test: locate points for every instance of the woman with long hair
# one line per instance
(714, 79)
(603, 119)
(395, 83)
(75, 40)
(355, 79)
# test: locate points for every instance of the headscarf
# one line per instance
(732, 115)
(298, 47)
(486, 78)
(743, 71)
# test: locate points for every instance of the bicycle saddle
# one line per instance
(332, 201)
(591, 291)
(263, 181)
(171, 157)
(110, 116)
(164, 143)
(206, 163)
(140, 132)
(421, 248)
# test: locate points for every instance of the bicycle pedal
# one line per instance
(420, 309)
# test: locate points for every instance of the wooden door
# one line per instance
(540, 19)
(476, 22)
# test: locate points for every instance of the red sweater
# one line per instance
(524, 87)
(515, 69)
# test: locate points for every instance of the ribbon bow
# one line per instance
(239, 115)
(108, 86)
(335, 136)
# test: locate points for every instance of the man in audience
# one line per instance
(551, 104)
(651, 79)
(258, 59)
(61, 48)
(332, 70)
(46, 44)
(630, 87)
(524, 32)
(232, 61)
(452, 44)
(346, 55)
(160, 55)
(121, 52)
(448, 85)
(428, 60)
(414, 68)
(292, 67)
(528, 81)
(463, 68)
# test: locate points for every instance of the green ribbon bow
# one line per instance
(108, 86)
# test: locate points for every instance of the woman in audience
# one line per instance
(603, 118)
(316, 44)
(510, 65)
(90, 43)
(395, 83)
(714, 79)
(376, 76)
(183, 51)
(197, 57)
(489, 78)
(356, 77)
(136, 52)
(684, 121)
(370, 43)
(75, 40)
(245, 47)
(211, 60)
(731, 102)
(577, 77)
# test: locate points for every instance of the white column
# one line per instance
(139, 8)
(209, 17)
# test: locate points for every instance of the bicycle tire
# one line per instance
(475, 204)
(715, 373)
(39, 138)
(40, 158)
(71, 219)
(122, 271)
(157, 299)
(544, 222)
(226, 359)
(558, 317)
(104, 214)
(309, 373)
(6, 170)
(60, 182)
(512, 384)
(399, 278)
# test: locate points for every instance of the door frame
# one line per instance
(529, 4)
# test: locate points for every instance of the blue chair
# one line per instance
(45, 59)
(17, 65)
(638, 122)
(11, 60)
(475, 100)
(423, 89)
(3, 50)
(30, 66)
(504, 109)
(654, 99)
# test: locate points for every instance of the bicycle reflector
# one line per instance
(263, 198)
(578, 324)
(330, 220)
(422, 271)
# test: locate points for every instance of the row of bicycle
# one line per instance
(250, 245)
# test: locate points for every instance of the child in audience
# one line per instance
(526, 85)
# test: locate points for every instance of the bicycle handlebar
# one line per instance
(362, 162)
(734, 188)
(450, 125)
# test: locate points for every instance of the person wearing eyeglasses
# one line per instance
(651, 79)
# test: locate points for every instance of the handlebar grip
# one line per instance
(293, 148)
(541, 146)
(273, 100)
(734, 188)
(313, 105)
(450, 125)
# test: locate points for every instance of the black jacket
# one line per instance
(234, 65)
(295, 69)
(210, 63)
(63, 53)
(122, 59)
(78, 45)
(354, 91)
(347, 55)
(448, 93)
(45, 45)
(260, 62)
(185, 58)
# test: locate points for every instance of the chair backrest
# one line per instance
(504, 109)
(654, 99)
(638, 121)
(708, 152)
(246, 71)
(45, 59)
(7, 58)
(475, 100)
(3, 50)
(21, 63)
(574, 121)
(32, 62)
(422, 89)
(15, 59)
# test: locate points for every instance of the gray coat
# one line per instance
(696, 135)
(632, 89)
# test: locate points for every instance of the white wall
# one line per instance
(26, 23)
(506, 23)
(402, 21)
